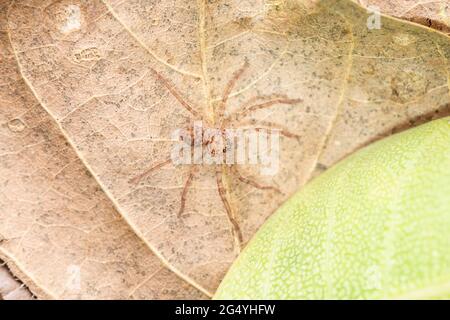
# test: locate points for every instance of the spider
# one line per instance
(222, 121)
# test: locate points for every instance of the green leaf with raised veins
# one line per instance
(377, 225)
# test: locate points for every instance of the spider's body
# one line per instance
(218, 144)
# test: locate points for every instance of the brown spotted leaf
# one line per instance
(10, 287)
(119, 77)
(59, 233)
(434, 14)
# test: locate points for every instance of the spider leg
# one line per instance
(229, 87)
(267, 125)
(255, 99)
(223, 195)
(254, 183)
(161, 164)
(175, 93)
(265, 105)
(185, 190)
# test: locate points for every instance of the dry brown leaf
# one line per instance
(393, 86)
(431, 13)
(10, 287)
(119, 77)
(58, 231)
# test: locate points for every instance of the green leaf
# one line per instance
(377, 225)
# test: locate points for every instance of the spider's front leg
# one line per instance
(248, 109)
(268, 125)
(153, 168)
(227, 91)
